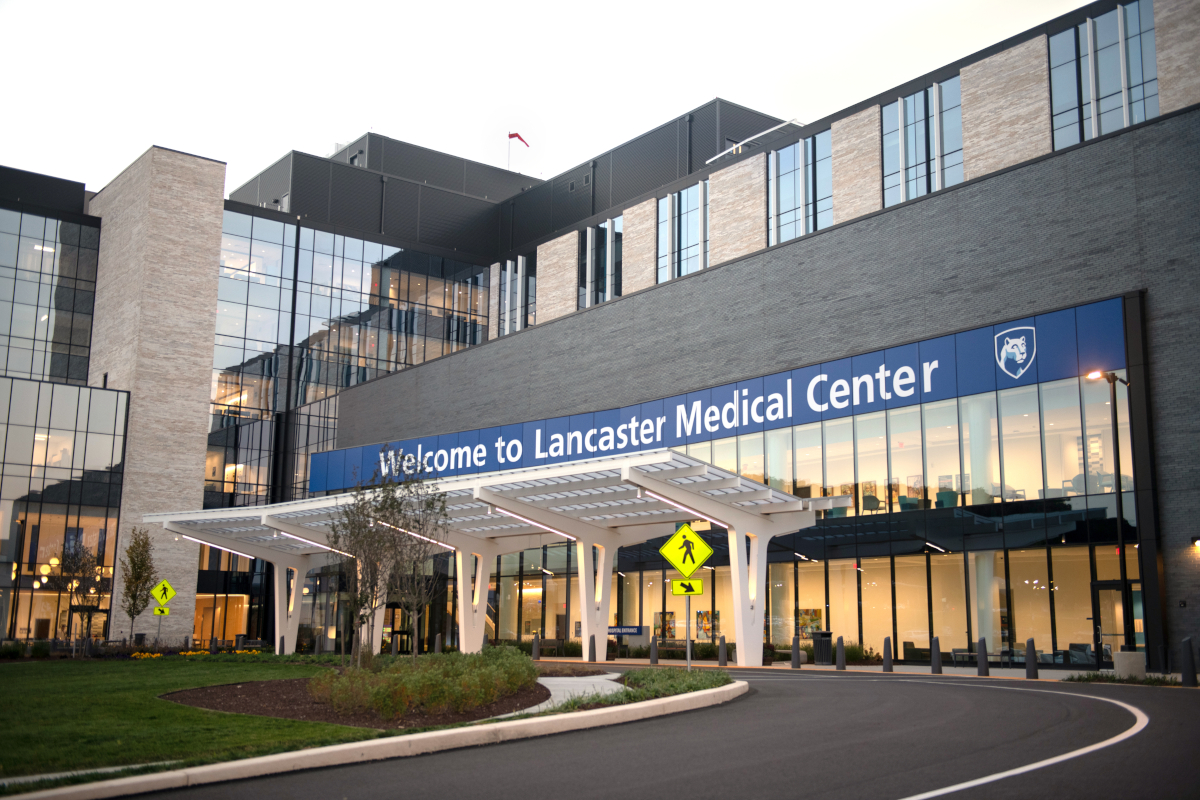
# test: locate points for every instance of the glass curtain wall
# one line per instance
(63, 452)
(1110, 58)
(800, 188)
(47, 289)
(922, 142)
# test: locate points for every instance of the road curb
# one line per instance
(396, 746)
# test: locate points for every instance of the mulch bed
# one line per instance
(290, 699)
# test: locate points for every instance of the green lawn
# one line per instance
(70, 715)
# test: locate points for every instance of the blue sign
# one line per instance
(1048, 347)
(624, 630)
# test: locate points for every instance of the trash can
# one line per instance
(822, 648)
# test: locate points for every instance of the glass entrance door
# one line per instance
(1108, 618)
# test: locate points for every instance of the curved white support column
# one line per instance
(595, 589)
(472, 559)
(749, 574)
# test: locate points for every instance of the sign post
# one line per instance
(686, 552)
(163, 593)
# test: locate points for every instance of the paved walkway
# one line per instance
(563, 689)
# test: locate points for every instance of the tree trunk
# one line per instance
(415, 627)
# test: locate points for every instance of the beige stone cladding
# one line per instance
(857, 165)
(558, 277)
(1177, 42)
(156, 303)
(1006, 109)
(494, 302)
(737, 210)
(639, 246)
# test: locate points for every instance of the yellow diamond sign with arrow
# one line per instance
(685, 551)
(162, 611)
(163, 592)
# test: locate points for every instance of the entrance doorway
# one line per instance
(1108, 620)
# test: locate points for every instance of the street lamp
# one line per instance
(1126, 604)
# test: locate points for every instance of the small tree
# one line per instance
(81, 576)
(138, 575)
(366, 556)
(421, 512)
(387, 532)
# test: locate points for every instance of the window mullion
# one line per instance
(1124, 65)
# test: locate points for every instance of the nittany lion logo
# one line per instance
(1015, 350)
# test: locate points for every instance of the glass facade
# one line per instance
(800, 188)
(517, 304)
(922, 142)
(302, 314)
(682, 240)
(1111, 60)
(63, 453)
(47, 290)
(599, 263)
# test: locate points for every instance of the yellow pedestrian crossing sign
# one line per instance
(162, 611)
(163, 593)
(687, 586)
(685, 551)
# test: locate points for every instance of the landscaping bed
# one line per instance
(291, 699)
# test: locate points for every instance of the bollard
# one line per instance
(486, 644)
(841, 654)
(795, 652)
(654, 650)
(281, 649)
(537, 647)
(395, 644)
(239, 642)
(1031, 662)
(981, 657)
(935, 657)
(887, 654)
(1187, 664)
(722, 654)
(592, 649)
(437, 643)
(212, 645)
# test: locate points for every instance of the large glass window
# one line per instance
(922, 142)
(1031, 599)
(600, 263)
(683, 232)
(809, 461)
(1062, 449)
(800, 189)
(870, 433)
(1020, 427)
(941, 453)
(843, 599)
(980, 449)
(907, 487)
(989, 599)
(948, 591)
(1098, 437)
(1111, 57)
(912, 608)
(876, 602)
(47, 290)
(839, 462)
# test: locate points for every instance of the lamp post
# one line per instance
(1126, 604)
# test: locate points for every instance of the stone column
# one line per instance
(1177, 42)
(738, 210)
(558, 277)
(156, 305)
(1006, 109)
(639, 246)
(857, 143)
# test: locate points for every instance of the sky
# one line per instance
(93, 85)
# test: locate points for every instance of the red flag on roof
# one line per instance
(518, 136)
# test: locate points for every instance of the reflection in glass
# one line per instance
(942, 452)
(839, 462)
(1022, 445)
(1031, 599)
(843, 599)
(912, 608)
(809, 461)
(876, 602)
(980, 449)
(989, 599)
(907, 487)
(871, 455)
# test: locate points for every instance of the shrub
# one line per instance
(573, 647)
(436, 683)
(40, 650)
(12, 650)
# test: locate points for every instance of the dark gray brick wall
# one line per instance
(1113, 216)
